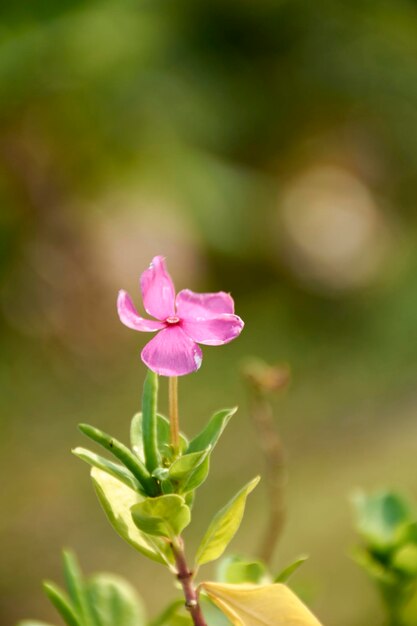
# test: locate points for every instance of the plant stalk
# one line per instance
(185, 577)
(173, 414)
(274, 457)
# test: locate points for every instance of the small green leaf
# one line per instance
(197, 477)
(382, 518)
(124, 455)
(288, 571)
(224, 526)
(163, 436)
(210, 435)
(183, 466)
(149, 421)
(236, 570)
(164, 516)
(114, 469)
(117, 500)
(114, 602)
(62, 604)
(76, 587)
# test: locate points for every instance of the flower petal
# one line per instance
(172, 353)
(214, 331)
(131, 318)
(158, 291)
(191, 305)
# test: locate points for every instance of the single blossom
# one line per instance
(183, 321)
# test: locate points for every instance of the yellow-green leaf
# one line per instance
(260, 605)
(117, 499)
(224, 526)
(165, 516)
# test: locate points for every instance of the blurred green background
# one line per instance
(265, 148)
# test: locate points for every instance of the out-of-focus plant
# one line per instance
(387, 525)
(100, 600)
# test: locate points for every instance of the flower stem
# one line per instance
(173, 414)
(185, 577)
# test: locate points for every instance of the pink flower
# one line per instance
(183, 321)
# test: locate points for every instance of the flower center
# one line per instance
(172, 320)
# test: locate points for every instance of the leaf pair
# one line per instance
(117, 500)
(102, 600)
(151, 467)
(186, 473)
(132, 472)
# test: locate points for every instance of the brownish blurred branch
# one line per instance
(262, 381)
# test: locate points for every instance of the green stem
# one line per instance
(173, 414)
(149, 426)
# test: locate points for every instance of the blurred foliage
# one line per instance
(102, 600)
(387, 524)
(266, 148)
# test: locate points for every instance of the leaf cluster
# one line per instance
(387, 524)
(147, 490)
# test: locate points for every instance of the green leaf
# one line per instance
(210, 435)
(62, 604)
(183, 466)
(117, 499)
(235, 569)
(124, 455)
(76, 588)
(190, 471)
(197, 477)
(224, 526)
(164, 516)
(114, 469)
(163, 436)
(382, 518)
(288, 571)
(149, 423)
(206, 440)
(114, 602)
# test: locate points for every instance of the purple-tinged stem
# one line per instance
(185, 577)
